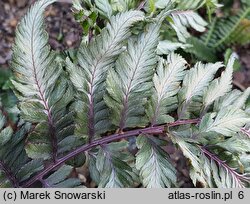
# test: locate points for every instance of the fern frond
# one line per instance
(39, 83)
(183, 19)
(237, 144)
(190, 151)
(167, 79)
(117, 84)
(211, 5)
(241, 101)
(208, 169)
(104, 8)
(194, 83)
(112, 164)
(31, 59)
(235, 98)
(153, 164)
(95, 59)
(59, 179)
(200, 50)
(228, 121)
(198, 78)
(224, 175)
(165, 47)
(32, 56)
(241, 34)
(129, 84)
(228, 31)
(222, 33)
(186, 4)
(219, 87)
(226, 100)
(15, 166)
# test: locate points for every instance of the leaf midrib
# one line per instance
(9, 174)
(42, 94)
(125, 100)
(160, 96)
(91, 111)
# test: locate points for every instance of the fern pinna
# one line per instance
(222, 33)
(115, 107)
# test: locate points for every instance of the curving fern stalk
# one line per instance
(130, 102)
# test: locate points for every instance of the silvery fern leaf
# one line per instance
(241, 101)
(228, 31)
(237, 144)
(104, 8)
(167, 79)
(235, 99)
(129, 84)
(222, 174)
(228, 121)
(43, 93)
(165, 47)
(183, 19)
(95, 59)
(152, 162)
(112, 164)
(15, 166)
(59, 179)
(227, 100)
(196, 4)
(191, 152)
(186, 4)
(218, 173)
(161, 4)
(208, 169)
(219, 87)
(122, 5)
(199, 78)
(32, 56)
(194, 83)
(227, 177)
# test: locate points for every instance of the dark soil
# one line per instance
(243, 76)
